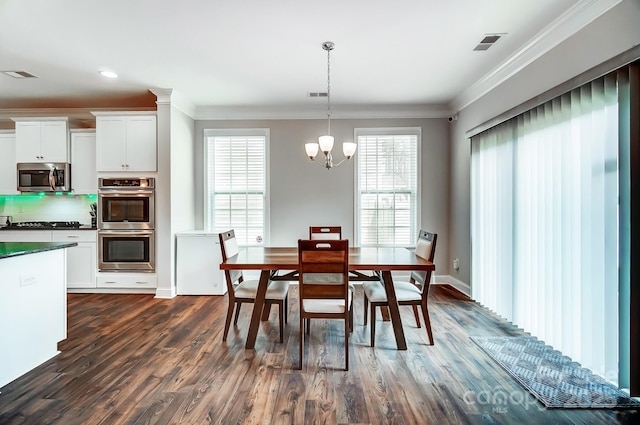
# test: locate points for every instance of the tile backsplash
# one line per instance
(40, 207)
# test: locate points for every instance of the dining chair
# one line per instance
(242, 291)
(325, 232)
(323, 288)
(415, 292)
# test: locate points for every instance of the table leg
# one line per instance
(258, 305)
(394, 311)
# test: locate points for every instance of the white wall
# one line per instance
(304, 194)
(611, 34)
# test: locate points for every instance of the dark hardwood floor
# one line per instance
(134, 359)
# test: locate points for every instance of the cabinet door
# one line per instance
(84, 177)
(141, 143)
(28, 141)
(111, 143)
(8, 182)
(54, 141)
(81, 266)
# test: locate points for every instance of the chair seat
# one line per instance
(405, 291)
(277, 289)
(325, 306)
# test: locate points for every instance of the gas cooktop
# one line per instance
(45, 225)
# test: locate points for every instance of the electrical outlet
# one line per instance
(456, 264)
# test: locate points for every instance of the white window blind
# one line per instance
(388, 186)
(236, 183)
(545, 232)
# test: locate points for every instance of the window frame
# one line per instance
(381, 132)
(238, 132)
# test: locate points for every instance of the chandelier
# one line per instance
(325, 143)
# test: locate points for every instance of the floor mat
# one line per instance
(554, 379)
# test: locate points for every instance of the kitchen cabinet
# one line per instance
(8, 180)
(42, 140)
(81, 259)
(126, 142)
(84, 176)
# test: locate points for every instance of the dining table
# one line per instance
(365, 263)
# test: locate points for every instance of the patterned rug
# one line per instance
(555, 380)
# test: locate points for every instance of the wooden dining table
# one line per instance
(365, 263)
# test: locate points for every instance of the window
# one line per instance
(387, 174)
(236, 186)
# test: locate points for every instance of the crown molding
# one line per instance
(569, 23)
(337, 112)
(175, 99)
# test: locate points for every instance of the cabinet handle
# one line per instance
(109, 281)
(73, 236)
(139, 282)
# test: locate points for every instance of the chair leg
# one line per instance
(301, 342)
(366, 308)
(286, 307)
(427, 322)
(227, 322)
(266, 311)
(235, 319)
(351, 317)
(415, 313)
(373, 324)
(308, 325)
(346, 343)
(281, 319)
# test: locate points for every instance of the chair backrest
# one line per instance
(325, 232)
(229, 248)
(425, 248)
(323, 269)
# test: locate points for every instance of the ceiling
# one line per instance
(226, 57)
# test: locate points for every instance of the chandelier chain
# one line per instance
(329, 88)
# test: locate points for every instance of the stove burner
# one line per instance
(44, 225)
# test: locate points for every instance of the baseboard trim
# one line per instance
(166, 293)
(456, 283)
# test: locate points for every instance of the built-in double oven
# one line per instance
(126, 224)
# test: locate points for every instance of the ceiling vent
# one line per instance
(18, 74)
(317, 94)
(488, 41)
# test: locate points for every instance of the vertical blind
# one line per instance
(387, 187)
(544, 222)
(236, 185)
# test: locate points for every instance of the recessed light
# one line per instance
(108, 74)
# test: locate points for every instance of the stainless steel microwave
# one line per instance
(44, 177)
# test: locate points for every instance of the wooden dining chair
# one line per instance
(324, 285)
(242, 291)
(325, 232)
(415, 292)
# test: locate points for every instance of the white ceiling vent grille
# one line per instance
(317, 94)
(488, 41)
(19, 74)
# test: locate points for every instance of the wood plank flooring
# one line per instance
(134, 359)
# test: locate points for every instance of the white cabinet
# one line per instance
(84, 177)
(8, 180)
(127, 280)
(126, 142)
(25, 235)
(81, 259)
(42, 140)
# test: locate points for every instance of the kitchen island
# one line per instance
(33, 304)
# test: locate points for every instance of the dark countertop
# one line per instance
(13, 249)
